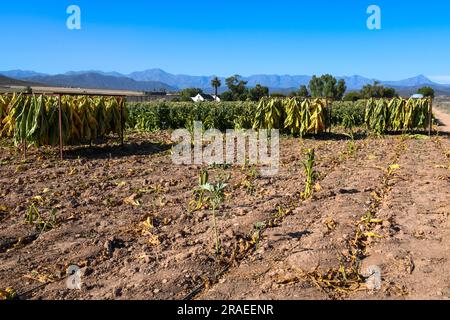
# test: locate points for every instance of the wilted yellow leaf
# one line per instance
(38, 199)
(8, 294)
(132, 201)
(149, 223)
(147, 226)
(39, 277)
(376, 196)
(154, 240)
(394, 167)
(372, 235)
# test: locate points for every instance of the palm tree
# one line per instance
(216, 83)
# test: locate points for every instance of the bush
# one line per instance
(352, 96)
(345, 109)
(163, 115)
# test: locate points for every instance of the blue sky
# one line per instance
(227, 37)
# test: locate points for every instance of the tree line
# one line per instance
(325, 86)
(237, 90)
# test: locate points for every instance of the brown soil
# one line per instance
(102, 196)
(444, 120)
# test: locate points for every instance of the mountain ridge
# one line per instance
(158, 79)
(94, 80)
(7, 81)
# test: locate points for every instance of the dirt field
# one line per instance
(442, 113)
(274, 245)
(443, 104)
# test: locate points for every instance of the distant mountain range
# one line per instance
(6, 81)
(90, 80)
(157, 80)
(100, 81)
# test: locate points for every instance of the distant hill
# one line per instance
(418, 81)
(20, 74)
(100, 81)
(179, 81)
(157, 79)
(5, 81)
(114, 74)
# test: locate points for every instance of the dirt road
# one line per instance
(444, 119)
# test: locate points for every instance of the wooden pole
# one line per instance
(430, 117)
(24, 141)
(121, 101)
(60, 129)
(331, 115)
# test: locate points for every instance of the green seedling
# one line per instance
(251, 175)
(258, 228)
(199, 192)
(351, 148)
(34, 217)
(216, 198)
(223, 166)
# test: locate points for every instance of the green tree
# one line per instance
(226, 96)
(340, 89)
(216, 84)
(188, 93)
(256, 93)
(377, 91)
(372, 91)
(389, 93)
(327, 86)
(303, 91)
(316, 86)
(426, 92)
(237, 87)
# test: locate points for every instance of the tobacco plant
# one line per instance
(216, 198)
(311, 174)
(199, 193)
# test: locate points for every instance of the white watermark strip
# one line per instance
(235, 147)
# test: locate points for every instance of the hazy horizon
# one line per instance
(439, 80)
